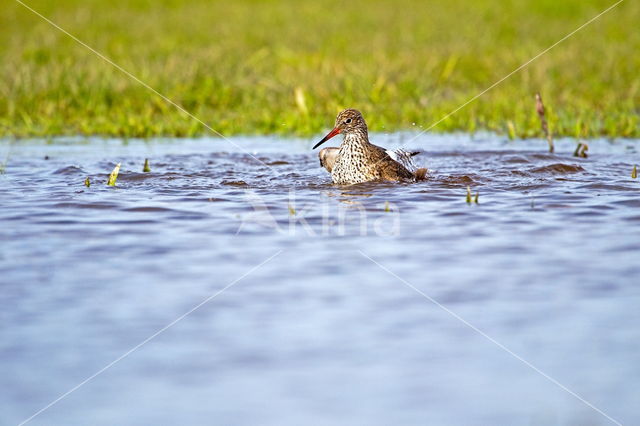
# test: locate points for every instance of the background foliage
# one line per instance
(287, 67)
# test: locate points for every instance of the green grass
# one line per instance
(276, 67)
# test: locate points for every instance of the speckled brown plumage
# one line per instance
(357, 159)
(328, 155)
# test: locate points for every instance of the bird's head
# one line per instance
(348, 121)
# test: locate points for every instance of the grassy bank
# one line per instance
(287, 67)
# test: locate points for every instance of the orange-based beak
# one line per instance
(331, 134)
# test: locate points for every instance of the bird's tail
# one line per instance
(421, 174)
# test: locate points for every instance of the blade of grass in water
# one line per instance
(114, 175)
(581, 150)
(543, 121)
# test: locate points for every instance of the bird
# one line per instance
(328, 157)
(358, 160)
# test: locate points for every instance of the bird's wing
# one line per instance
(328, 157)
(403, 157)
(389, 169)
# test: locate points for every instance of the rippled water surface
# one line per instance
(308, 303)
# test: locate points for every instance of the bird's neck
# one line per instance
(356, 137)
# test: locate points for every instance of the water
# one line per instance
(547, 264)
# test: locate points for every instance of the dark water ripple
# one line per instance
(547, 263)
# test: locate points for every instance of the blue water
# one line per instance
(466, 307)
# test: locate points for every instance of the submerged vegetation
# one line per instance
(470, 197)
(543, 122)
(250, 67)
(113, 176)
(581, 150)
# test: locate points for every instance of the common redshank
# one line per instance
(358, 160)
(329, 154)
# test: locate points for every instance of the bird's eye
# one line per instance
(348, 120)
